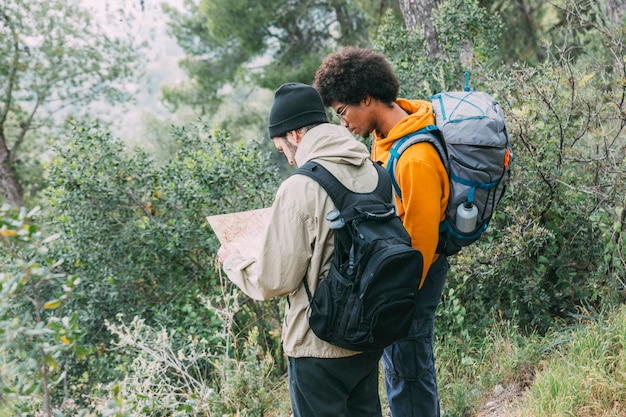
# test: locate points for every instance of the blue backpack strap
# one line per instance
(473, 185)
(446, 227)
(430, 134)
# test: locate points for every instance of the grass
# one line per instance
(580, 371)
(577, 372)
(586, 376)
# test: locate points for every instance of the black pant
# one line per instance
(341, 387)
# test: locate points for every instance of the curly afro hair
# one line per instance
(352, 74)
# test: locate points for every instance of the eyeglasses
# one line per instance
(341, 112)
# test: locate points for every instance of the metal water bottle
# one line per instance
(466, 216)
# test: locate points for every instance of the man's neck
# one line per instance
(388, 118)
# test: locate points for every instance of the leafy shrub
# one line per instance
(467, 38)
(38, 333)
(167, 375)
(556, 242)
(568, 187)
(136, 233)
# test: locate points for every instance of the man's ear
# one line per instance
(297, 136)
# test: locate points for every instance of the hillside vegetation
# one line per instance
(112, 302)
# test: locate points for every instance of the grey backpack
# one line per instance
(473, 142)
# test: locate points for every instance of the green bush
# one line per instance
(39, 334)
(556, 242)
(136, 233)
(168, 374)
(467, 38)
(563, 216)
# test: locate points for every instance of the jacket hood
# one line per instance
(331, 143)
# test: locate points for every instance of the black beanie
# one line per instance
(295, 105)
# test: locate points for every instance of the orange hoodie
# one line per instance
(422, 178)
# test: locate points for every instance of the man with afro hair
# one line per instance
(362, 88)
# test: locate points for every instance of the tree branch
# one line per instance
(11, 78)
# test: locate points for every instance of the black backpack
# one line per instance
(368, 299)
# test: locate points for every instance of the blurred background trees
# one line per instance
(105, 252)
(54, 59)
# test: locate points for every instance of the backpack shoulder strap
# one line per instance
(430, 134)
(338, 192)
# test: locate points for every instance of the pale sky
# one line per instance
(161, 67)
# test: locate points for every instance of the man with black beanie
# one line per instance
(324, 380)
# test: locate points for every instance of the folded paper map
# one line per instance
(243, 230)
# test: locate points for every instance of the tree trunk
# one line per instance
(616, 9)
(419, 13)
(9, 185)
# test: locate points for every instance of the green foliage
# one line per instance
(136, 231)
(168, 374)
(467, 37)
(584, 370)
(534, 26)
(528, 25)
(570, 154)
(38, 333)
(556, 242)
(263, 44)
(54, 60)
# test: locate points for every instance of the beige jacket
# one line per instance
(298, 242)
